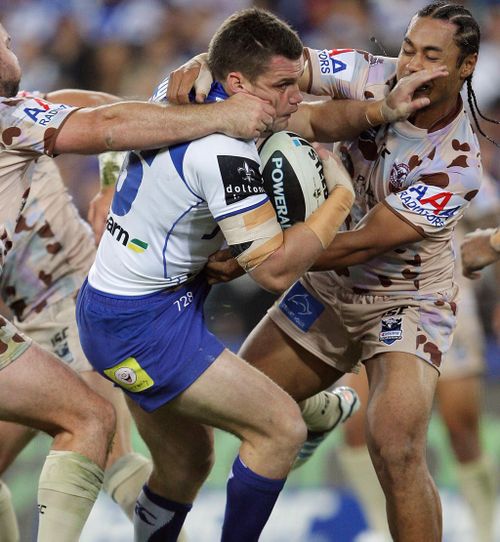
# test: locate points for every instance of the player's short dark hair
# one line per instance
(247, 40)
(467, 35)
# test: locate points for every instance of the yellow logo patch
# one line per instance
(130, 375)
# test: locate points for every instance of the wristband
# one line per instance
(328, 218)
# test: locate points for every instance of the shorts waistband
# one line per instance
(105, 298)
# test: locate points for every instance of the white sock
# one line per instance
(359, 472)
(68, 487)
(476, 481)
(9, 530)
(123, 481)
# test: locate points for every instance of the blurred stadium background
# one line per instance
(125, 47)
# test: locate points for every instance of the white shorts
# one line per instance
(55, 330)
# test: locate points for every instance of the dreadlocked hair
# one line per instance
(467, 39)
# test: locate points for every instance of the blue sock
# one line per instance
(250, 501)
(157, 519)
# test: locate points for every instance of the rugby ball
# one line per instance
(293, 177)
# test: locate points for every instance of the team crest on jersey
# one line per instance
(391, 325)
(241, 178)
(391, 329)
(397, 177)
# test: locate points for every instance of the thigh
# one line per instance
(39, 391)
(402, 389)
(236, 397)
(294, 368)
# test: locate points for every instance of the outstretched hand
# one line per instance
(222, 267)
(400, 103)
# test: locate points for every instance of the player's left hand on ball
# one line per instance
(222, 267)
(335, 172)
(400, 103)
(193, 74)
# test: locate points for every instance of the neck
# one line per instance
(433, 119)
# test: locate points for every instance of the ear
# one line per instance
(237, 82)
(468, 65)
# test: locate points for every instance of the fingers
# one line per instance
(180, 84)
(202, 84)
(417, 79)
(220, 256)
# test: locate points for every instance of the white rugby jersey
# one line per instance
(53, 248)
(28, 128)
(426, 178)
(163, 223)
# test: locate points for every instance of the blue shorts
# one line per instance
(153, 346)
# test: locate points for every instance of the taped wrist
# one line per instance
(328, 218)
(374, 113)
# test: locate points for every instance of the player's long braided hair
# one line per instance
(467, 38)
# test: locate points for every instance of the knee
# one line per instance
(289, 429)
(99, 419)
(397, 455)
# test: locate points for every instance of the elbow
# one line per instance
(276, 284)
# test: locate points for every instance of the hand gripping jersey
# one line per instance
(53, 247)
(28, 129)
(174, 206)
(426, 177)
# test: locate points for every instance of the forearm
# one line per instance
(82, 98)
(304, 242)
(335, 120)
(136, 125)
(345, 250)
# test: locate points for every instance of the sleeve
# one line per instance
(438, 196)
(31, 123)
(231, 183)
(349, 73)
(430, 209)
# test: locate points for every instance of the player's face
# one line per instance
(10, 71)
(279, 85)
(428, 43)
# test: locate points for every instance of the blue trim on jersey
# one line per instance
(170, 232)
(177, 154)
(216, 93)
(239, 211)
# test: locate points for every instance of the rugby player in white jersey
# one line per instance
(37, 390)
(140, 315)
(387, 298)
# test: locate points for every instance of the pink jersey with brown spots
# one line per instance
(53, 247)
(426, 177)
(28, 128)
